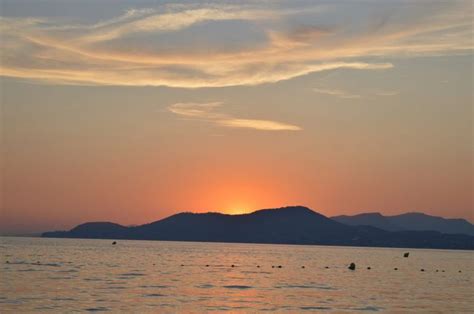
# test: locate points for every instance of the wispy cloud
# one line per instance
(187, 45)
(205, 111)
(197, 110)
(350, 95)
(166, 22)
(264, 125)
(336, 92)
(386, 93)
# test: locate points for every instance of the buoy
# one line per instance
(115, 242)
(395, 268)
(279, 266)
(459, 271)
(258, 266)
(302, 266)
(442, 271)
(273, 266)
(232, 265)
(327, 267)
(352, 266)
(207, 265)
(369, 268)
(406, 254)
(422, 269)
(182, 265)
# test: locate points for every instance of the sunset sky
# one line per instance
(130, 111)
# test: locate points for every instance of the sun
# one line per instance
(237, 210)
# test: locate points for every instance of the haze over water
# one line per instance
(166, 277)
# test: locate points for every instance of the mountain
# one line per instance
(94, 230)
(409, 221)
(369, 219)
(287, 225)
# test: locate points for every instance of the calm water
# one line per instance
(147, 276)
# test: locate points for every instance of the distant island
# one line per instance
(409, 221)
(286, 225)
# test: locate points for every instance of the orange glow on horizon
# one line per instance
(237, 210)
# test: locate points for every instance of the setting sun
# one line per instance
(237, 210)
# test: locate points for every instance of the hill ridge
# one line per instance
(414, 221)
(285, 225)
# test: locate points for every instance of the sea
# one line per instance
(89, 275)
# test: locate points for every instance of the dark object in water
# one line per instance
(422, 269)
(442, 271)
(459, 271)
(302, 266)
(258, 266)
(232, 265)
(273, 266)
(369, 268)
(182, 265)
(207, 265)
(406, 254)
(327, 267)
(115, 242)
(279, 266)
(395, 268)
(352, 266)
(437, 270)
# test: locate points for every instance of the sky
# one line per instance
(131, 111)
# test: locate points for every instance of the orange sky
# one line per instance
(137, 112)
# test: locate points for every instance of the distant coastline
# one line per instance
(286, 225)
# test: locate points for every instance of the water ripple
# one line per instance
(132, 274)
(240, 287)
(154, 286)
(151, 295)
(312, 308)
(368, 309)
(320, 287)
(205, 286)
(97, 309)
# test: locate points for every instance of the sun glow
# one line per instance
(237, 210)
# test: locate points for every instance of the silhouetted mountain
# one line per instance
(93, 230)
(409, 221)
(369, 219)
(288, 225)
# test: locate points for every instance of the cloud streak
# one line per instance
(349, 95)
(188, 46)
(205, 112)
(170, 22)
(336, 92)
